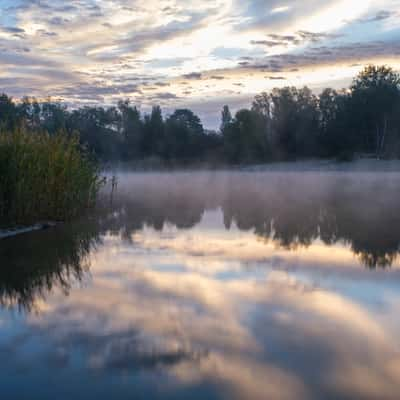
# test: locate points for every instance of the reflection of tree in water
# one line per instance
(297, 211)
(291, 211)
(158, 204)
(33, 264)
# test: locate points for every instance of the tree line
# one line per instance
(285, 124)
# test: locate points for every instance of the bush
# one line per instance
(44, 177)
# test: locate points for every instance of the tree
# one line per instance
(336, 131)
(153, 133)
(375, 93)
(29, 110)
(262, 104)
(53, 116)
(294, 122)
(226, 118)
(8, 113)
(245, 139)
(131, 129)
(307, 123)
(98, 131)
(328, 106)
(184, 136)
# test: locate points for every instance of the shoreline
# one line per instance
(11, 232)
(358, 165)
(311, 165)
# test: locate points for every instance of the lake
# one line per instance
(210, 285)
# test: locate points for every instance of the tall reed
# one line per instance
(44, 177)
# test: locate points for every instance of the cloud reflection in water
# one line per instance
(175, 305)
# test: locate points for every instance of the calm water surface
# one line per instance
(210, 286)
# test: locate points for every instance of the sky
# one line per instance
(199, 54)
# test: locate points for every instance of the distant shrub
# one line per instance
(44, 176)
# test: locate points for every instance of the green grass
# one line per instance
(44, 177)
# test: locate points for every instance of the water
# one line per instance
(210, 286)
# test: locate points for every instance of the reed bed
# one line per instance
(44, 177)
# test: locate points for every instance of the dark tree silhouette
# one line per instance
(375, 95)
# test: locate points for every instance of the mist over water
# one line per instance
(357, 211)
(242, 285)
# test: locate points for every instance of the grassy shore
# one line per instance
(44, 177)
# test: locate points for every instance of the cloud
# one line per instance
(193, 75)
(260, 15)
(222, 320)
(12, 29)
(108, 44)
(379, 16)
(326, 55)
(164, 96)
(300, 38)
(233, 313)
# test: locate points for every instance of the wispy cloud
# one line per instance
(100, 51)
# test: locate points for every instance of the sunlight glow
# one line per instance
(118, 44)
(335, 16)
(279, 10)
